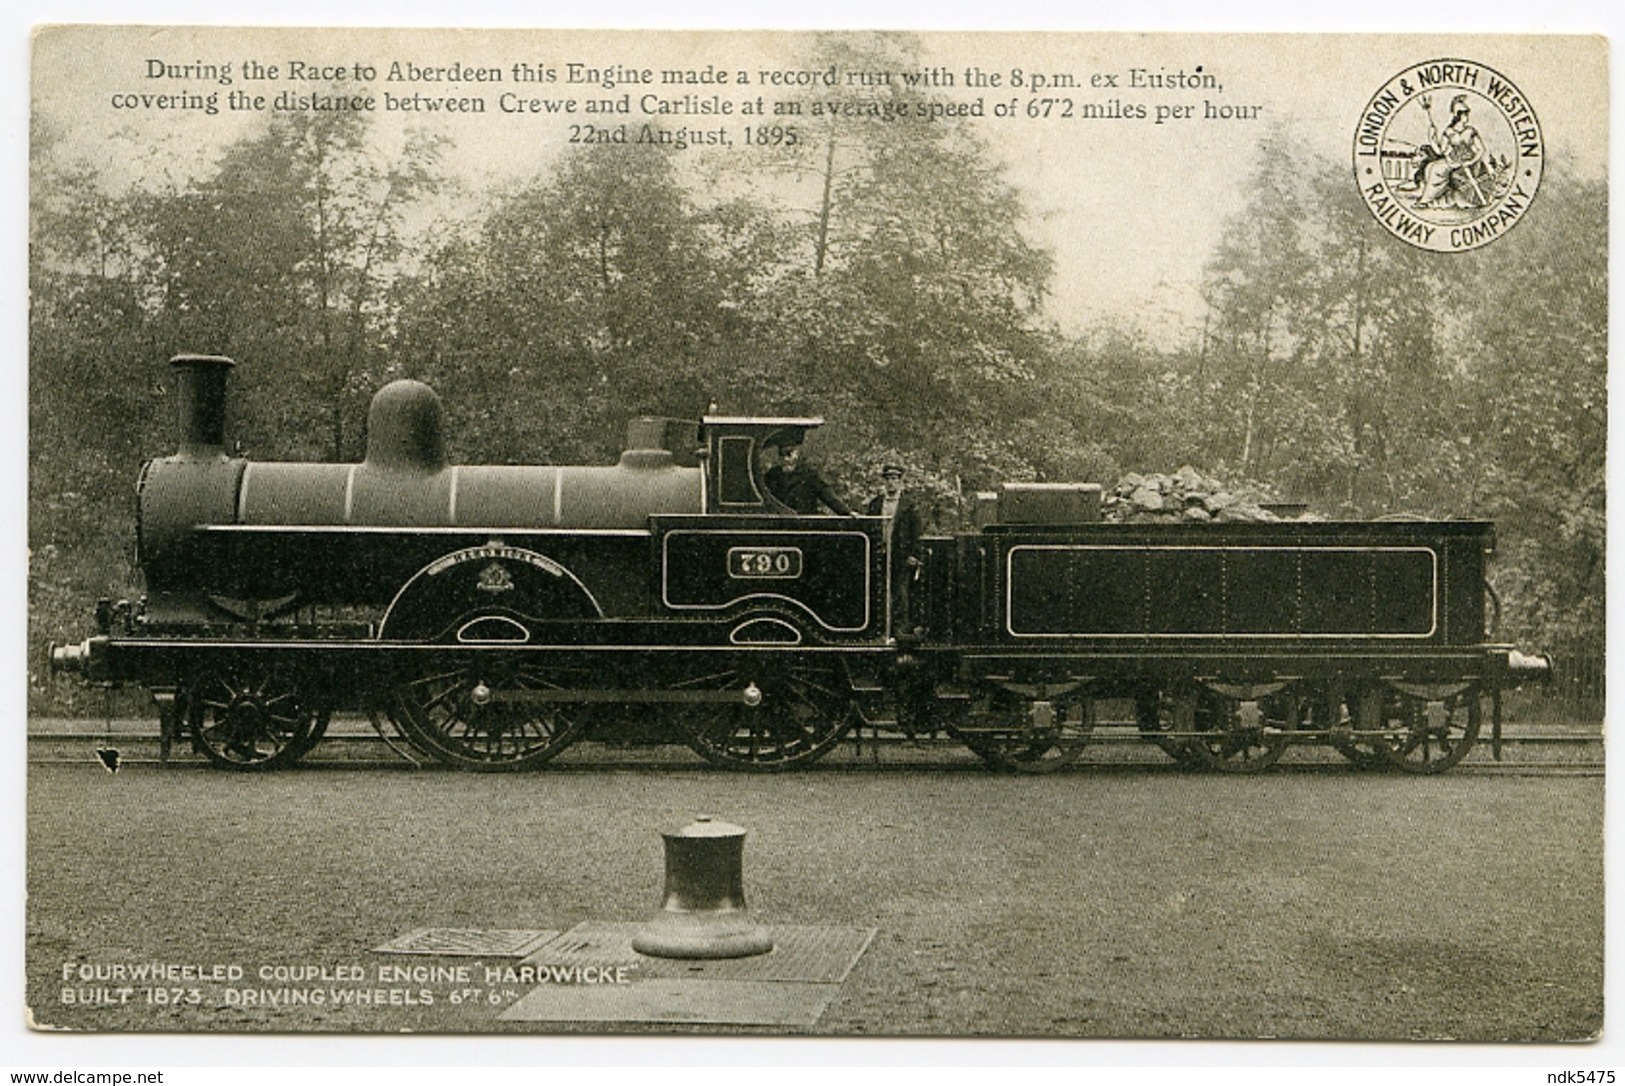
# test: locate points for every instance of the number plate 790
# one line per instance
(783, 562)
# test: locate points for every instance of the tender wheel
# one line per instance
(1362, 751)
(803, 711)
(486, 716)
(1421, 736)
(1159, 715)
(1236, 737)
(252, 720)
(1029, 747)
(1324, 712)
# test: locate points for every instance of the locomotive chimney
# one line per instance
(200, 387)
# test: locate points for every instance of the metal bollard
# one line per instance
(703, 914)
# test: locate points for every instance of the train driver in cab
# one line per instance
(797, 484)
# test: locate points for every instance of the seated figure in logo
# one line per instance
(1455, 171)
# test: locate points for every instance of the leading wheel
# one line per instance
(251, 719)
(1420, 736)
(800, 712)
(493, 715)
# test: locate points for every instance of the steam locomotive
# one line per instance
(491, 615)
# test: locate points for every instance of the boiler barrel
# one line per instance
(469, 496)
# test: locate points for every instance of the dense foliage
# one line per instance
(883, 276)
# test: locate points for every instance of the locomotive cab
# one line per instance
(772, 575)
(734, 473)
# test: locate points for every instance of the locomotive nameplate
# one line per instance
(494, 551)
(494, 593)
(770, 563)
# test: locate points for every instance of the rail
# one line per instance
(352, 742)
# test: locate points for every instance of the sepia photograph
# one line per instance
(824, 534)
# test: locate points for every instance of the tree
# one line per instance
(1534, 344)
(89, 423)
(283, 256)
(590, 294)
(1393, 379)
(1255, 289)
(1322, 366)
(908, 301)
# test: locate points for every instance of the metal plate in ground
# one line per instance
(800, 955)
(469, 942)
(677, 1002)
(789, 986)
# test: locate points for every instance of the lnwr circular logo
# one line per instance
(1448, 155)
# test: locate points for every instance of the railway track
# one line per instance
(1565, 752)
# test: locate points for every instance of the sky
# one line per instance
(1129, 208)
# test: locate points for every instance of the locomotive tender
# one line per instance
(492, 614)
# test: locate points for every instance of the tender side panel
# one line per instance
(1098, 590)
(1464, 588)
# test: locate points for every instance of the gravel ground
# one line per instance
(1116, 901)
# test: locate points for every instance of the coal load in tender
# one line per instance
(1188, 495)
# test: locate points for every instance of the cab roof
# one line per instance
(804, 422)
